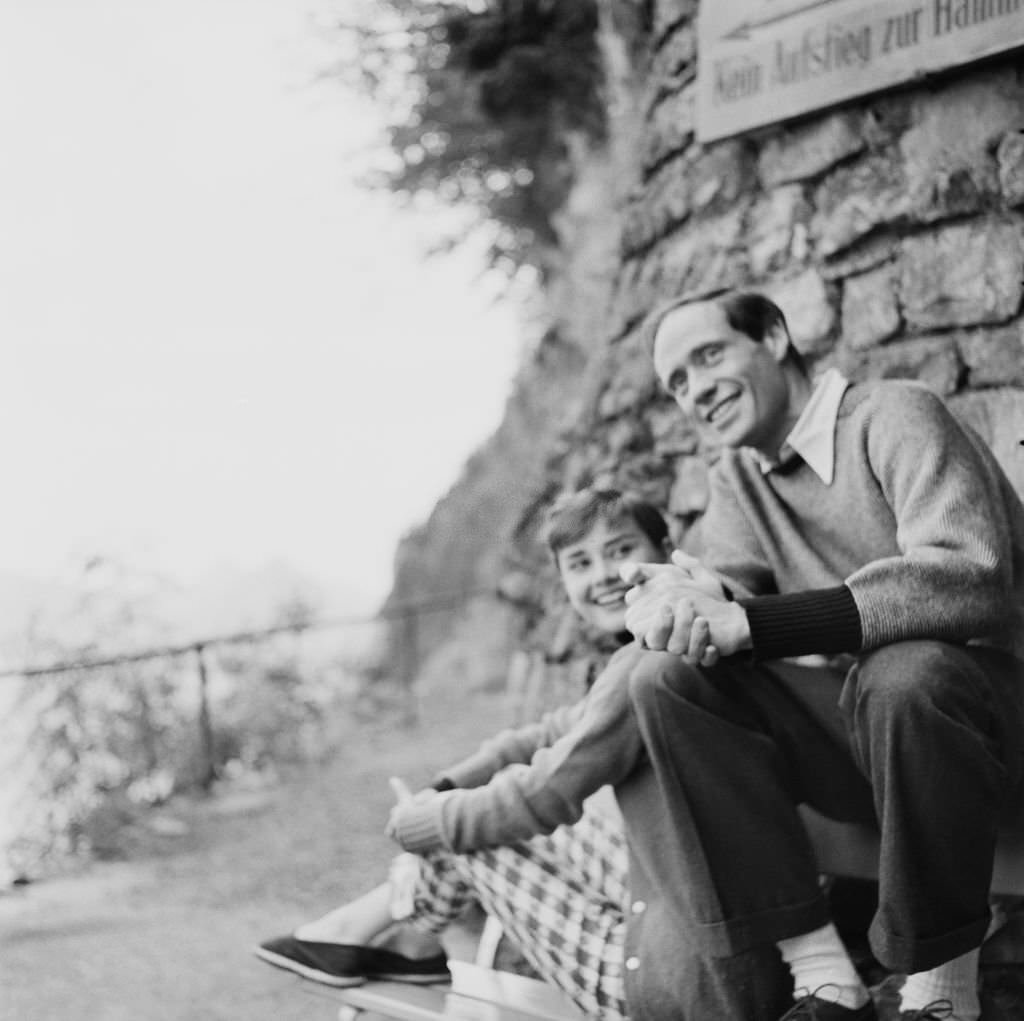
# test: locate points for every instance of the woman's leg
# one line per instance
(559, 897)
(369, 921)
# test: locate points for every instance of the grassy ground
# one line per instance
(167, 935)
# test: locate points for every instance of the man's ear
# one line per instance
(776, 339)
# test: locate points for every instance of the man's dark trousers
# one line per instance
(925, 737)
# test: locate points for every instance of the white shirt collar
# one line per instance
(813, 437)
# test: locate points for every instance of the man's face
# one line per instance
(733, 387)
(590, 571)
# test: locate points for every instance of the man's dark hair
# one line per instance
(746, 311)
(573, 515)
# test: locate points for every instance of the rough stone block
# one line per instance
(954, 191)
(698, 180)
(946, 150)
(886, 116)
(807, 304)
(677, 55)
(707, 256)
(861, 257)
(777, 229)
(630, 379)
(649, 289)
(998, 415)
(670, 128)
(669, 13)
(672, 196)
(636, 230)
(801, 153)
(672, 432)
(689, 493)
(628, 434)
(720, 174)
(578, 469)
(628, 299)
(663, 203)
(963, 275)
(870, 309)
(855, 200)
(933, 361)
(1010, 159)
(648, 475)
(519, 587)
(994, 357)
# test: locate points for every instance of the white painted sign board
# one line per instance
(762, 61)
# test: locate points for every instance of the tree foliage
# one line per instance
(482, 99)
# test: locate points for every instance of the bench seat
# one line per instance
(847, 849)
(479, 993)
(475, 994)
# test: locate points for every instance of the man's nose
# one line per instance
(702, 388)
(606, 569)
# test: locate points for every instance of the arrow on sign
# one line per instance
(744, 28)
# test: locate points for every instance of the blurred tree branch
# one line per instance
(480, 99)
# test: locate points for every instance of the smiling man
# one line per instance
(859, 520)
(708, 359)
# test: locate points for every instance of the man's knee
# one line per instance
(658, 674)
(909, 678)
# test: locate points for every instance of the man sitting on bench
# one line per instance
(862, 520)
(508, 828)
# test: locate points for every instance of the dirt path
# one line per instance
(169, 936)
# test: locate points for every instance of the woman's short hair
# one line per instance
(573, 515)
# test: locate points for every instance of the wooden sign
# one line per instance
(762, 61)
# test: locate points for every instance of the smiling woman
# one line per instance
(595, 533)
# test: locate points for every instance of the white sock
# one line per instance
(955, 981)
(821, 966)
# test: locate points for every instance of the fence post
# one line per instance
(208, 765)
(410, 663)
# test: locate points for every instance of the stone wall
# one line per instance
(890, 230)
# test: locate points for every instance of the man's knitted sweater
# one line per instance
(919, 535)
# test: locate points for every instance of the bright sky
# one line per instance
(216, 348)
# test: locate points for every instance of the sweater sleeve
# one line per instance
(522, 800)
(953, 577)
(822, 621)
(517, 744)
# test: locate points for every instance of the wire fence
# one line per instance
(407, 614)
(410, 610)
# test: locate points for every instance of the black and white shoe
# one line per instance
(814, 1008)
(344, 964)
(938, 1010)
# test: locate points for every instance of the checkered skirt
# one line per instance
(559, 896)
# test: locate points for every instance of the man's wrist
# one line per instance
(739, 629)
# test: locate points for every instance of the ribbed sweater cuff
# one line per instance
(821, 620)
(417, 827)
